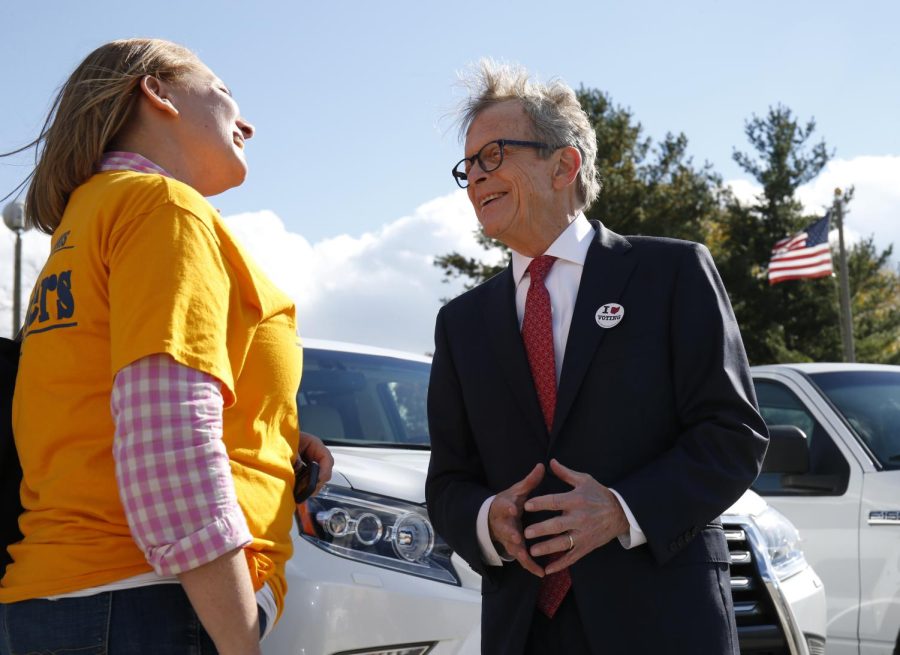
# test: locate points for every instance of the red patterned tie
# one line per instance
(537, 332)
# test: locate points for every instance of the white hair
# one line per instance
(556, 115)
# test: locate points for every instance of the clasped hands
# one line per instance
(589, 517)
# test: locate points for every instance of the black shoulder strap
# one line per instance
(10, 469)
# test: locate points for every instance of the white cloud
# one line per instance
(875, 209)
(380, 288)
(744, 190)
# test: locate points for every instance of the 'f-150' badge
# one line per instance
(884, 517)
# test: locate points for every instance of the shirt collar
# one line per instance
(572, 246)
(119, 160)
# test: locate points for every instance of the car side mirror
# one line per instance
(788, 450)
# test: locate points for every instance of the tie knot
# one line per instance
(539, 267)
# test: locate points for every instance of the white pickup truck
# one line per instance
(842, 489)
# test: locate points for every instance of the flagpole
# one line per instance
(846, 318)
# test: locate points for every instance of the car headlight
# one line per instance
(782, 542)
(377, 530)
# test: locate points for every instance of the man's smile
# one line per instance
(490, 198)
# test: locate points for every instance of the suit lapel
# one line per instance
(606, 271)
(498, 306)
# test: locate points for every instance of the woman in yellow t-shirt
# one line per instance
(155, 413)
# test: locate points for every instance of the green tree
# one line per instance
(875, 293)
(647, 188)
(797, 320)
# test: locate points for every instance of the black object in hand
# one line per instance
(306, 477)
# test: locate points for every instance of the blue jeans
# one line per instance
(140, 621)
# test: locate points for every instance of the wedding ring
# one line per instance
(571, 541)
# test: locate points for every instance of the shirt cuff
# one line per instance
(635, 536)
(225, 534)
(489, 553)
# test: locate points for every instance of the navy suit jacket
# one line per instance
(660, 407)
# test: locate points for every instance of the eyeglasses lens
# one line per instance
(489, 159)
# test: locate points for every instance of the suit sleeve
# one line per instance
(722, 439)
(454, 489)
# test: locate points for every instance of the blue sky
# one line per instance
(351, 99)
(348, 97)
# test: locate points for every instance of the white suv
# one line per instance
(370, 577)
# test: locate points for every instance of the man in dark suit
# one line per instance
(590, 407)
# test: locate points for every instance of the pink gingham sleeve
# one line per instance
(172, 468)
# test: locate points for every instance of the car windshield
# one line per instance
(870, 401)
(353, 399)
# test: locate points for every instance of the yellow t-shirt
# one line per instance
(142, 264)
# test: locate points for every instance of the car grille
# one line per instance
(759, 629)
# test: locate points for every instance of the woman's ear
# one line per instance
(157, 94)
(567, 167)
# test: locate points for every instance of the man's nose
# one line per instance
(246, 128)
(476, 174)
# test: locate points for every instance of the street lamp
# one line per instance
(14, 217)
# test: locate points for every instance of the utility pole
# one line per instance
(844, 281)
(14, 217)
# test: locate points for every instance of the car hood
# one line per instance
(400, 474)
(392, 472)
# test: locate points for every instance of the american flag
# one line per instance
(803, 255)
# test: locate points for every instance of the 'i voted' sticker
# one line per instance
(609, 315)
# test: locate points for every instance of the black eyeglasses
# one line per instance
(490, 157)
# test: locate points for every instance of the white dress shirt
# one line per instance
(570, 250)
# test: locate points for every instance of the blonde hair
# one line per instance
(89, 111)
(554, 110)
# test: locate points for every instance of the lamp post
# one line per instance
(14, 217)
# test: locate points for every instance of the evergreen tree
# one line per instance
(797, 320)
(648, 189)
(788, 321)
(875, 294)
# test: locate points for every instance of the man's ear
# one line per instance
(568, 165)
(157, 94)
